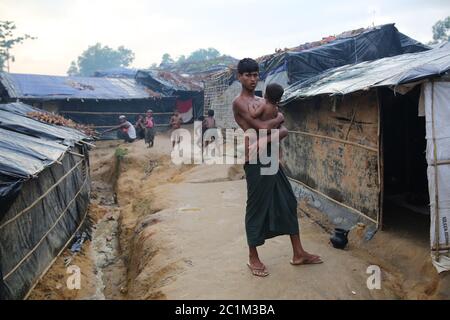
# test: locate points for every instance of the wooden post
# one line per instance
(380, 166)
(436, 185)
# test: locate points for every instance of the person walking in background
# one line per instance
(149, 128)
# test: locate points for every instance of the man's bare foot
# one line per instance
(305, 258)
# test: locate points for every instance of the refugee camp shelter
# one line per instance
(289, 66)
(368, 136)
(44, 195)
(88, 100)
(187, 90)
(116, 73)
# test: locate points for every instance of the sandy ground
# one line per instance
(180, 235)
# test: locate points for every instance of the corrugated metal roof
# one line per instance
(390, 71)
(32, 86)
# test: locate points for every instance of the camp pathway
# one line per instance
(197, 248)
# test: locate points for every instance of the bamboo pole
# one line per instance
(81, 142)
(41, 197)
(112, 113)
(441, 163)
(350, 126)
(380, 166)
(45, 235)
(335, 201)
(56, 257)
(76, 154)
(335, 139)
(436, 185)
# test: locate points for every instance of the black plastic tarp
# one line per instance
(31, 238)
(391, 71)
(373, 44)
(24, 156)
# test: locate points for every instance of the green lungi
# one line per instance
(271, 205)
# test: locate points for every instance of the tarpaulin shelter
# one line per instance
(88, 100)
(369, 44)
(308, 60)
(187, 90)
(116, 73)
(44, 196)
(358, 136)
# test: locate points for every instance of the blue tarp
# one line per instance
(116, 73)
(27, 146)
(39, 129)
(44, 87)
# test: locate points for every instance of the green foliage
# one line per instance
(98, 57)
(441, 30)
(8, 40)
(166, 60)
(203, 54)
(120, 153)
(73, 70)
(198, 61)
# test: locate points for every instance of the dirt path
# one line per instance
(177, 232)
(194, 245)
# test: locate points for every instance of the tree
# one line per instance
(166, 60)
(441, 30)
(98, 57)
(181, 59)
(73, 70)
(203, 54)
(8, 41)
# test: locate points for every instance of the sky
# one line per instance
(240, 28)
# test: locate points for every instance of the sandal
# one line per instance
(258, 271)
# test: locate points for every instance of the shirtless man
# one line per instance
(266, 216)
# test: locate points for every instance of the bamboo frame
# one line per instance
(112, 113)
(335, 139)
(335, 201)
(103, 127)
(436, 185)
(380, 167)
(41, 196)
(6, 276)
(350, 126)
(56, 257)
(440, 163)
(76, 154)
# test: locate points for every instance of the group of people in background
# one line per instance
(144, 128)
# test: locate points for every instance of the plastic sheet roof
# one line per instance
(168, 83)
(116, 73)
(44, 87)
(27, 146)
(390, 71)
(305, 62)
